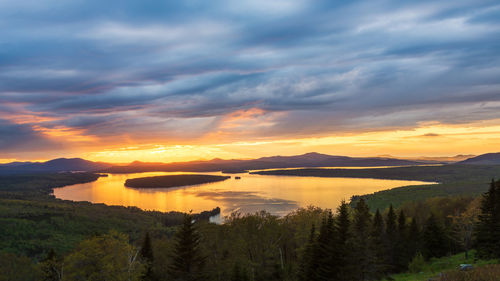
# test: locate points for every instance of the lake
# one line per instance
(278, 195)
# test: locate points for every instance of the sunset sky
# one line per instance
(183, 80)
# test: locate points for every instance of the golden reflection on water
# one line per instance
(276, 194)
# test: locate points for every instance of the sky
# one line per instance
(165, 81)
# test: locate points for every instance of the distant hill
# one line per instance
(484, 159)
(53, 166)
(305, 160)
(437, 159)
(312, 159)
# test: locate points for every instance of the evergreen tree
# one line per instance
(50, 267)
(308, 264)
(413, 238)
(146, 254)
(496, 221)
(402, 223)
(390, 239)
(343, 223)
(487, 229)
(401, 245)
(362, 251)
(434, 238)
(343, 226)
(378, 246)
(188, 262)
(326, 257)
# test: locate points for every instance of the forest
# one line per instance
(172, 180)
(43, 238)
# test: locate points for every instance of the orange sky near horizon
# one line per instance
(431, 140)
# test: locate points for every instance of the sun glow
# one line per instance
(428, 139)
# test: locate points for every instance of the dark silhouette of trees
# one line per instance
(401, 245)
(308, 265)
(488, 225)
(326, 257)
(187, 260)
(362, 251)
(414, 239)
(390, 239)
(343, 230)
(378, 246)
(434, 238)
(146, 254)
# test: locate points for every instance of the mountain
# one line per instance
(312, 159)
(436, 159)
(53, 166)
(14, 164)
(274, 162)
(484, 159)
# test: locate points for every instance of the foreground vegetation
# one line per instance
(172, 181)
(445, 266)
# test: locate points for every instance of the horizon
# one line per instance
(173, 82)
(417, 158)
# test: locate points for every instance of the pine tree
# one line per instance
(487, 228)
(362, 250)
(188, 262)
(390, 239)
(343, 223)
(378, 246)
(146, 254)
(343, 230)
(326, 257)
(51, 267)
(401, 245)
(434, 238)
(308, 265)
(414, 243)
(496, 221)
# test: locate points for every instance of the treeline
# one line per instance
(173, 180)
(363, 246)
(351, 243)
(36, 185)
(487, 228)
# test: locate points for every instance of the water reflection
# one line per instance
(276, 194)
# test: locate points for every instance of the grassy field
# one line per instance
(434, 267)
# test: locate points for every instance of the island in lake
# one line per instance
(172, 181)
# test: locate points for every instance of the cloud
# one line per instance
(22, 138)
(184, 70)
(431, 135)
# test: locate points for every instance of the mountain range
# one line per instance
(55, 165)
(484, 159)
(312, 159)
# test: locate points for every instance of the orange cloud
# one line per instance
(66, 134)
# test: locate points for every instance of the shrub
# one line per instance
(417, 263)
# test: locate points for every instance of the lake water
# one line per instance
(276, 194)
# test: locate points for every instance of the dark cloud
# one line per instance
(171, 69)
(431, 135)
(22, 138)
